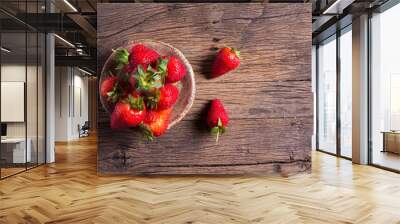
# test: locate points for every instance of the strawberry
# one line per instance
(116, 122)
(107, 85)
(227, 60)
(128, 68)
(176, 70)
(156, 123)
(128, 112)
(163, 98)
(112, 88)
(217, 118)
(132, 83)
(141, 55)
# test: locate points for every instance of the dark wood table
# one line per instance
(269, 97)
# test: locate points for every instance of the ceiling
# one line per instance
(332, 15)
(74, 22)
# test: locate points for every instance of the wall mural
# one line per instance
(204, 88)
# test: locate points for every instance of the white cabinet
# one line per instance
(19, 155)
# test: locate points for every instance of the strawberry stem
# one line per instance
(148, 134)
(218, 130)
(235, 51)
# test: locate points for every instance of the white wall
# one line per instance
(16, 73)
(12, 73)
(61, 103)
(70, 83)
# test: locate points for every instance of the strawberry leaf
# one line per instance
(215, 130)
(116, 92)
(148, 134)
(236, 51)
(141, 71)
(136, 102)
(223, 130)
(157, 77)
(162, 65)
(148, 79)
(219, 129)
(121, 58)
(149, 68)
(152, 99)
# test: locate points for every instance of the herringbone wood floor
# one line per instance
(69, 191)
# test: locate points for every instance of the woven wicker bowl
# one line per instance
(186, 85)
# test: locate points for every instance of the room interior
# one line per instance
(22, 101)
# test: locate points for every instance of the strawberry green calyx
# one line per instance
(219, 129)
(162, 66)
(136, 102)
(116, 92)
(121, 58)
(148, 79)
(148, 134)
(152, 100)
(235, 51)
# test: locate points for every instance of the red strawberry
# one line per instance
(156, 123)
(135, 94)
(116, 122)
(129, 112)
(164, 97)
(217, 118)
(227, 60)
(132, 83)
(128, 68)
(112, 88)
(107, 85)
(141, 55)
(176, 70)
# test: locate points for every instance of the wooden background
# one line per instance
(268, 98)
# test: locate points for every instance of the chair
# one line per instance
(84, 130)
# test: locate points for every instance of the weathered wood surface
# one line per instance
(269, 97)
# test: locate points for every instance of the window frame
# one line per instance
(381, 9)
(338, 34)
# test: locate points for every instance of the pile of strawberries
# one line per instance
(141, 89)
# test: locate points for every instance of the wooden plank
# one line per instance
(273, 40)
(262, 100)
(269, 97)
(189, 144)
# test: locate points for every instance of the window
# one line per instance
(346, 92)
(22, 75)
(385, 89)
(334, 106)
(327, 95)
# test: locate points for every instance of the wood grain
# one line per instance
(70, 191)
(268, 98)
